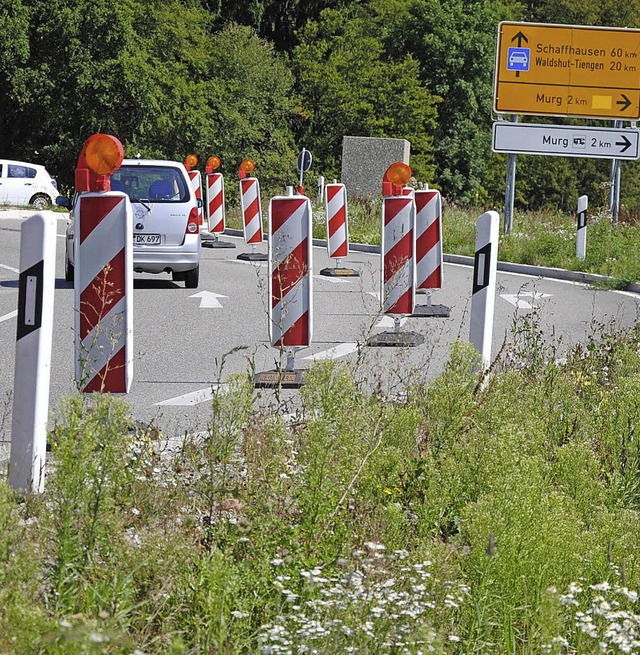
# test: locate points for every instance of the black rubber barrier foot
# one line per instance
(427, 311)
(281, 379)
(214, 243)
(253, 256)
(398, 339)
(339, 272)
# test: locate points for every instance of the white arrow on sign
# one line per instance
(519, 302)
(209, 299)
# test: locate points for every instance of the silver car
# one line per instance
(166, 222)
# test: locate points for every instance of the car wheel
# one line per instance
(41, 201)
(177, 276)
(192, 277)
(68, 269)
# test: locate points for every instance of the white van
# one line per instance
(23, 184)
(166, 222)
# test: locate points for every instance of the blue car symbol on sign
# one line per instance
(518, 59)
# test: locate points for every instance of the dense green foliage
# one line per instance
(359, 516)
(263, 78)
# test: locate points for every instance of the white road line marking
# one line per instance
(193, 398)
(333, 280)
(6, 317)
(340, 350)
(10, 268)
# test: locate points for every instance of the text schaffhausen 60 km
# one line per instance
(567, 70)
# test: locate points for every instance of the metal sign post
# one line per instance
(304, 164)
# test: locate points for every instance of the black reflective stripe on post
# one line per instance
(481, 268)
(582, 219)
(30, 300)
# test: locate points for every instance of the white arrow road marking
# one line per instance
(519, 302)
(6, 317)
(195, 397)
(10, 268)
(337, 351)
(209, 299)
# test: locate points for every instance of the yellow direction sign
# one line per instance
(567, 70)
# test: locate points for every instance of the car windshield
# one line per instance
(151, 183)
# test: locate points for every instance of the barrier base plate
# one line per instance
(211, 241)
(398, 339)
(426, 311)
(253, 256)
(283, 379)
(339, 272)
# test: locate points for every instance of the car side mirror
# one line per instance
(63, 201)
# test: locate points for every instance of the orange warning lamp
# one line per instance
(190, 161)
(395, 177)
(212, 164)
(247, 166)
(101, 155)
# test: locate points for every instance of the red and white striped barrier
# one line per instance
(215, 203)
(251, 210)
(196, 185)
(398, 255)
(290, 271)
(428, 239)
(32, 373)
(103, 246)
(337, 226)
(484, 284)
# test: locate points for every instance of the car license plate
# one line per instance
(146, 239)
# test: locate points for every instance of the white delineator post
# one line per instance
(581, 236)
(104, 293)
(215, 203)
(34, 336)
(484, 284)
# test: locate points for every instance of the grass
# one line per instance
(536, 238)
(450, 519)
(475, 513)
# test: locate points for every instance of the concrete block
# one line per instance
(364, 161)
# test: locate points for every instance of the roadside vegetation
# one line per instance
(542, 238)
(469, 514)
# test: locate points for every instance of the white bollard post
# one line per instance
(581, 236)
(33, 353)
(484, 284)
(320, 190)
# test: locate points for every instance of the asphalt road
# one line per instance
(186, 342)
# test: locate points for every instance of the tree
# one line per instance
(151, 72)
(349, 84)
(454, 41)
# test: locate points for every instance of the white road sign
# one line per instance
(565, 140)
